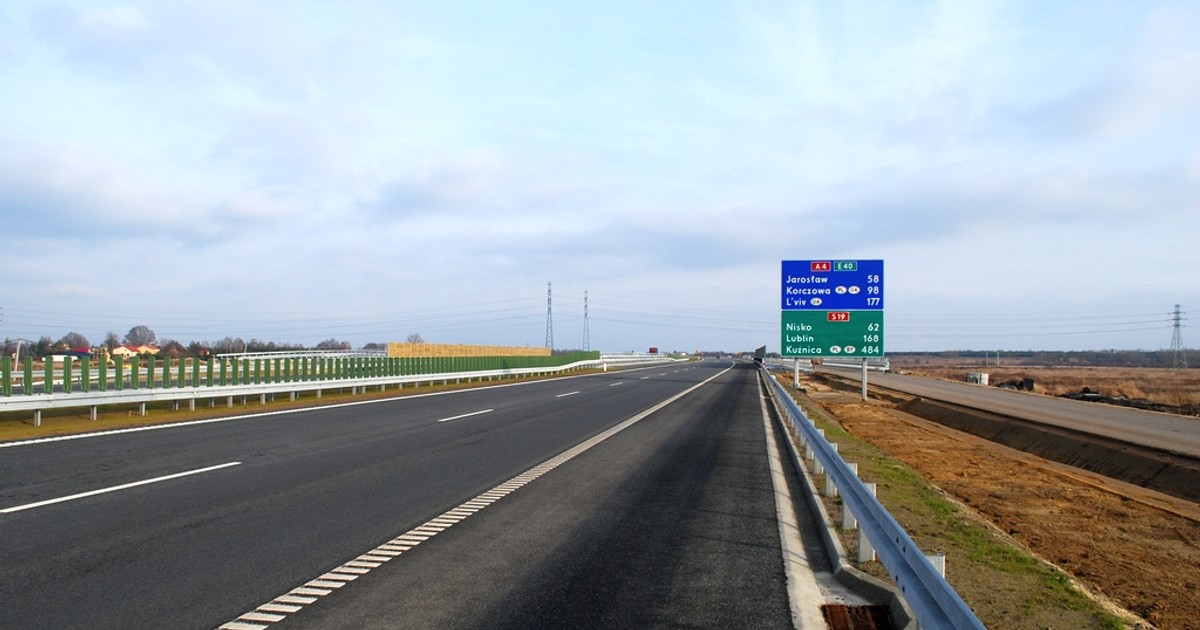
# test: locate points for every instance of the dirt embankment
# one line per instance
(1113, 538)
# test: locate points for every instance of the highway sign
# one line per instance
(832, 285)
(832, 333)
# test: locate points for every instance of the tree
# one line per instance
(44, 345)
(111, 340)
(173, 349)
(140, 336)
(229, 345)
(333, 344)
(375, 345)
(74, 340)
(415, 338)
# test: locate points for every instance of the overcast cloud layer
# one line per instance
(1029, 171)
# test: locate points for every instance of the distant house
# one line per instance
(128, 351)
(124, 351)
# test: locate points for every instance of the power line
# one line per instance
(549, 318)
(1178, 358)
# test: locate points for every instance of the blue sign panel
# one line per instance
(824, 285)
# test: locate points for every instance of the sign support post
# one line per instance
(864, 378)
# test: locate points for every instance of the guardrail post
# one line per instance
(85, 376)
(848, 520)
(166, 373)
(135, 373)
(119, 367)
(6, 376)
(831, 487)
(866, 553)
(818, 469)
(210, 371)
(103, 376)
(938, 560)
(182, 370)
(48, 376)
(151, 366)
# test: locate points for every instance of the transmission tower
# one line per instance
(587, 335)
(1178, 358)
(549, 318)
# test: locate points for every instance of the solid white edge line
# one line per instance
(125, 486)
(804, 593)
(467, 415)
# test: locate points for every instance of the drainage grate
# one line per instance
(841, 617)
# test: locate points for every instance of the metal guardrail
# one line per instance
(190, 386)
(933, 601)
(40, 402)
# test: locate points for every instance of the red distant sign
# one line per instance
(821, 265)
(838, 316)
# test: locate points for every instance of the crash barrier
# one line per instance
(191, 380)
(934, 603)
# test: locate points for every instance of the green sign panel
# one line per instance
(832, 334)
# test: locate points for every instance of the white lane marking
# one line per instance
(617, 383)
(467, 415)
(567, 394)
(645, 378)
(425, 531)
(125, 486)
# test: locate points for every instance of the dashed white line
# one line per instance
(467, 415)
(126, 486)
(567, 394)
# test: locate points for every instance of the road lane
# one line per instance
(315, 487)
(669, 523)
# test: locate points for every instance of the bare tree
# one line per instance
(173, 349)
(333, 344)
(415, 338)
(74, 340)
(140, 336)
(111, 340)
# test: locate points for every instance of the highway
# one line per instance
(411, 512)
(1176, 434)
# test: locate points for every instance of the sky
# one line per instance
(299, 171)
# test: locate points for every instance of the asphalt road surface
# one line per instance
(1177, 434)
(415, 512)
